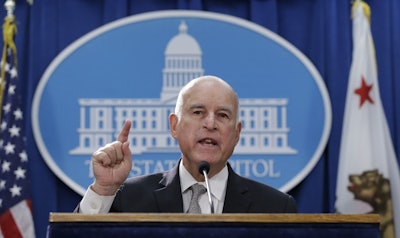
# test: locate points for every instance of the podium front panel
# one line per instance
(217, 226)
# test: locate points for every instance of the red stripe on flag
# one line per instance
(8, 226)
(29, 204)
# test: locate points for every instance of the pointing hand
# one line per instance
(112, 164)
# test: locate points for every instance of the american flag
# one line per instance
(15, 201)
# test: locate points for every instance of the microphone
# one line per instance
(204, 168)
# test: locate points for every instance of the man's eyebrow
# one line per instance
(221, 108)
(196, 106)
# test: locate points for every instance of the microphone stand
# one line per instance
(204, 167)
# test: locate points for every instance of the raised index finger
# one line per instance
(124, 133)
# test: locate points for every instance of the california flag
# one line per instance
(368, 178)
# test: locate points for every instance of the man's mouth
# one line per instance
(208, 141)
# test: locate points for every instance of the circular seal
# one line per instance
(133, 69)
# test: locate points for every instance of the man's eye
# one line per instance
(197, 112)
(223, 115)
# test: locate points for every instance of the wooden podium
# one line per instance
(121, 225)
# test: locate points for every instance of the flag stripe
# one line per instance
(8, 226)
(23, 218)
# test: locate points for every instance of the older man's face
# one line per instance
(208, 128)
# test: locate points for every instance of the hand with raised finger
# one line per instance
(112, 164)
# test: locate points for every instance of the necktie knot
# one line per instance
(197, 191)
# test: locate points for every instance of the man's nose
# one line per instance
(210, 122)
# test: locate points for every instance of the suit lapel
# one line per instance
(169, 196)
(236, 198)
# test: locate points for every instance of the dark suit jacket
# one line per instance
(161, 192)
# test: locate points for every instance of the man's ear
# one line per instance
(238, 130)
(173, 122)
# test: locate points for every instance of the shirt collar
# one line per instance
(217, 182)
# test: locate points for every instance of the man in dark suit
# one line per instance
(206, 124)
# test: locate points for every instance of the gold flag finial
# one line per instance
(9, 31)
(366, 9)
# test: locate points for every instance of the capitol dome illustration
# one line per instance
(183, 44)
(182, 63)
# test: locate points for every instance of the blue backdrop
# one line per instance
(321, 29)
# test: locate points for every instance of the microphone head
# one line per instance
(204, 165)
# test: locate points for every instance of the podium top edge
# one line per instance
(231, 217)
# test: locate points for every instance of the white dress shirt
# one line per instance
(217, 186)
(93, 203)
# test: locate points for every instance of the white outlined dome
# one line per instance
(183, 62)
(183, 43)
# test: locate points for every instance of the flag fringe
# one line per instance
(9, 32)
